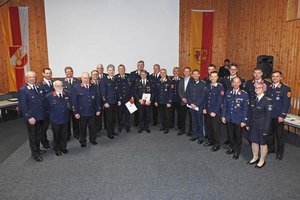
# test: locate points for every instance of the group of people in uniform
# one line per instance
(199, 108)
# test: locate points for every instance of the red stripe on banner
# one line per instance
(15, 25)
(207, 42)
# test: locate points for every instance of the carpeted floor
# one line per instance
(147, 166)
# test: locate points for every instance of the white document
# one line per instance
(131, 107)
(189, 106)
(146, 97)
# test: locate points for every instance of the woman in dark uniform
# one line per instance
(259, 125)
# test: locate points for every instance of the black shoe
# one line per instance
(38, 158)
(230, 151)
(148, 131)
(180, 133)
(127, 130)
(94, 142)
(140, 130)
(279, 157)
(227, 142)
(119, 130)
(193, 139)
(207, 144)
(171, 127)
(236, 156)
(166, 131)
(251, 163)
(76, 137)
(68, 138)
(115, 134)
(111, 137)
(161, 129)
(200, 141)
(189, 134)
(83, 145)
(46, 146)
(42, 151)
(58, 153)
(65, 151)
(259, 167)
(213, 149)
(154, 124)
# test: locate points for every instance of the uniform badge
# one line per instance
(270, 107)
(277, 98)
(238, 105)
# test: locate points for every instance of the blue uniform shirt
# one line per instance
(281, 97)
(214, 98)
(85, 101)
(235, 107)
(45, 88)
(174, 86)
(125, 87)
(58, 108)
(31, 102)
(195, 93)
(109, 90)
(163, 91)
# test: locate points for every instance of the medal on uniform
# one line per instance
(277, 98)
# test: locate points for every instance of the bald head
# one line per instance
(85, 78)
(30, 77)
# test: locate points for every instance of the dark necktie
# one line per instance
(35, 89)
(70, 83)
(60, 95)
(50, 83)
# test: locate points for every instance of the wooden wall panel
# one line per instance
(219, 29)
(259, 27)
(37, 39)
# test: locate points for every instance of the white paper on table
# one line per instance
(146, 97)
(131, 107)
(189, 106)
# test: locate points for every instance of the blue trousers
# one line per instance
(197, 124)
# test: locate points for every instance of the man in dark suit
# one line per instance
(68, 82)
(46, 86)
(136, 76)
(175, 98)
(163, 99)
(86, 104)
(183, 83)
(125, 94)
(280, 94)
(154, 78)
(110, 97)
(144, 86)
(195, 95)
(32, 107)
(102, 117)
(57, 105)
(224, 70)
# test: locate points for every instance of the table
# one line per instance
(293, 121)
(7, 104)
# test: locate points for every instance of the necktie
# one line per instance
(60, 95)
(256, 100)
(274, 86)
(70, 83)
(35, 89)
(50, 83)
(144, 83)
(87, 86)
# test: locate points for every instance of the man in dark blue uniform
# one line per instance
(46, 86)
(142, 87)
(57, 105)
(102, 117)
(184, 110)
(195, 95)
(86, 104)
(68, 82)
(257, 78)
(234, 114)
(109, 91)
(95, 80)
(227, 81)
(154, 78)
(32, 107)
(281, 98)
(125, 94)
(224, 70)
(163, 99)
(136, 76)
(212, 111)
(175, 98)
